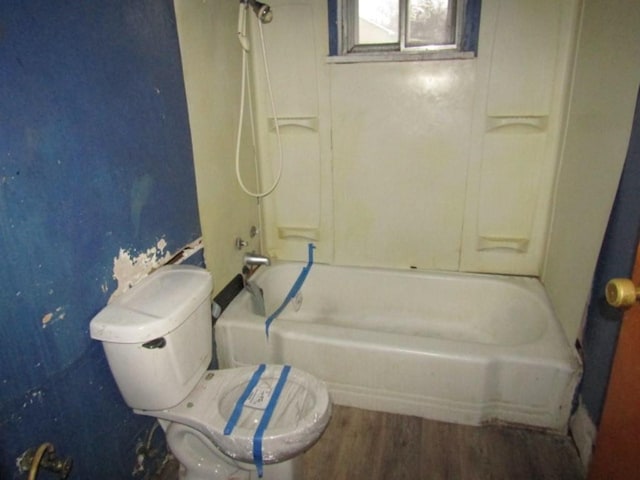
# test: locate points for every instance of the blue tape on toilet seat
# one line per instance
(237, 410)
(266, 417)
(293, 292)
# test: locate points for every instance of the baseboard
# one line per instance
(584, 432)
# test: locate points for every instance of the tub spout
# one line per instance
(254, 260)
(257, 298)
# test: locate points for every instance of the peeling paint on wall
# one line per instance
(187, 251)
(34, 396)
(128, 270)
(51, 317)
(46, 319)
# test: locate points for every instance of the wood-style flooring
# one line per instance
(360, 444)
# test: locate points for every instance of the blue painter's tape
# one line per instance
(237, 410)
(266, 417)
(297, 285)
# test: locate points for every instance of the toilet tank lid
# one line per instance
(154, 307)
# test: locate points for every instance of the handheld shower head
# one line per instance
(262, 11)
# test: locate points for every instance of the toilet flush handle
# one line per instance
(155, 343)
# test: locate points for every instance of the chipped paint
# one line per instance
(129, 270)
(33, 396)
(187, 251)
(46, 319)
(52, 317)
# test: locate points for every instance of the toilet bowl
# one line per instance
(239, 423)
(197, 457)
(298, 418)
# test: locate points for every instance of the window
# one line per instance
(367, 30)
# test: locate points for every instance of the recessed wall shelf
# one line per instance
(308, 233)
(517, 124)
(309, 123)
(487, 242)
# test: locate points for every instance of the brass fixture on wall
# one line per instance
(44, 457)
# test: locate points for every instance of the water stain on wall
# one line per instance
(139, 197)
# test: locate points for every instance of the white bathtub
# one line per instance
(460, 348)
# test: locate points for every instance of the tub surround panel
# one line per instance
(400, 161)
(443, 165)
(526, 37)
(524, 68)
(501, 225)
(300, 210)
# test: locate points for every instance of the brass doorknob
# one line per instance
(621, 292)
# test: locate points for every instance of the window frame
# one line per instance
(344, 20)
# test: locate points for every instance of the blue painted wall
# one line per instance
(95, 156)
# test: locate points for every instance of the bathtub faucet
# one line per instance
(257, 298)
(250, 262)
(255, 260)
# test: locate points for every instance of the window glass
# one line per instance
(430, 22)
(403, 23)
(398, 30)
(378, 22)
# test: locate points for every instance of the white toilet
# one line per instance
(219, 424)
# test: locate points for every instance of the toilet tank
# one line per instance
(157, 336)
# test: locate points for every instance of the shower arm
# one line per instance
(262, 10)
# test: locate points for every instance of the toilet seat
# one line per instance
(301, 412)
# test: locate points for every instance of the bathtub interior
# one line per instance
(460, 348)
(474, 308)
